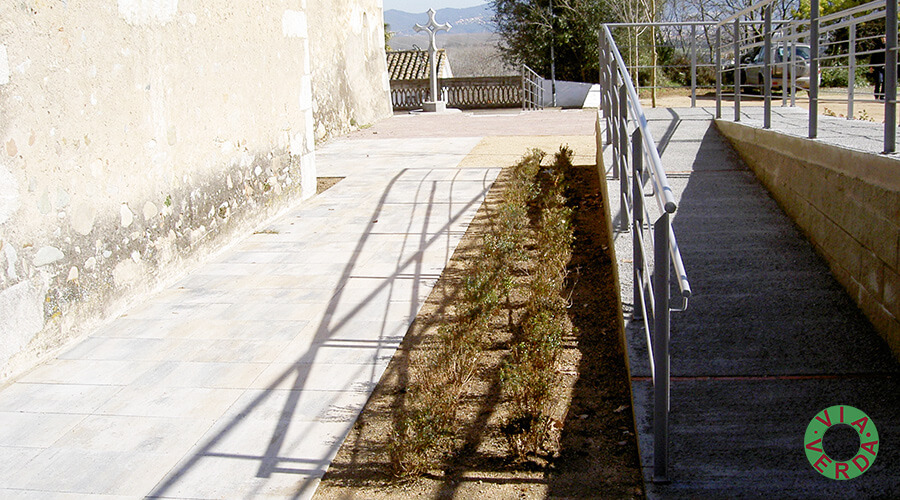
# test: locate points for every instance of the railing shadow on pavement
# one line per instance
(327, 335)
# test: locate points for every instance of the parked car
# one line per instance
(753, 76)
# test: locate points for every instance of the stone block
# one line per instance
(884, 322)
(896, 265)
(843, 277)
(866, 226)
(804, 215)
(809, 181)
(839, 245)
(892, 336)
(813, 224)
(434, 107)
(871, 273)
(863, 192)
(891, 291)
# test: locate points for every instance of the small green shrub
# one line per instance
(838, 77)
(531, 223)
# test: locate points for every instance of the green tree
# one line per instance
(388, 34)
(828, 6)
(870, 30)
(527, 29)
(867, 35)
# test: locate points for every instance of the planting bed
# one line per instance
(588, 447)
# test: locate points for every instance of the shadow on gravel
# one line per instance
(598, 445)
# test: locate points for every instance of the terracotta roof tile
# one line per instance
(413, 64)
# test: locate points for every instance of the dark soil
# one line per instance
(597, 453)
(325, 183)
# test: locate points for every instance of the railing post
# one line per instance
(623, 160)
(661, 349)
(524, 91)
(851, 72)
(693, 66)
(600, 75)
(890, 77)
(607, 80)
(623, 131)
(737, 69)
(767, 68)
(814, 68)
(718, 72)
(637, 222)
(785, 69)
(614, 124)
(793, 73)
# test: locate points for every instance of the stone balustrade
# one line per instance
(462, 93)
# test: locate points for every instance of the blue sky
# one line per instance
(416, 6)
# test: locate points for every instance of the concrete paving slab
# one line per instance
(173, 402)
(75, 399)
(91, 372)
(40, 495)
(14, 458)
(205, 375)
(74, 470)
(310, 405)
(46, 428)
(137, 434)
(313, 376)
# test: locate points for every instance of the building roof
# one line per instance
(413, 64)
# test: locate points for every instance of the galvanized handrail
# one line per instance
(728, 37)
(651, 289)
(745, 11)
(813, 30)
(532, 90)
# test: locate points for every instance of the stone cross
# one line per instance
(432, 28)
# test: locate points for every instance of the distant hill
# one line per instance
(477, 19)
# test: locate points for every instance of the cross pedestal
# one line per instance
(435, 104)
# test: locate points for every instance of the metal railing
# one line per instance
(624, 119)
(824, 37)
(532, 90)
(840, 44)
(689, 56)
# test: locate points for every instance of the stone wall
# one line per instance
(138, 136)
(848, 205)
(352, 78)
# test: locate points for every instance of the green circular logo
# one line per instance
(862, 459)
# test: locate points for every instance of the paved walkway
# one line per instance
(769, 340)
(858, 135)
(242, 379)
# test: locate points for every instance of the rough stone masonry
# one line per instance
(138, 136)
